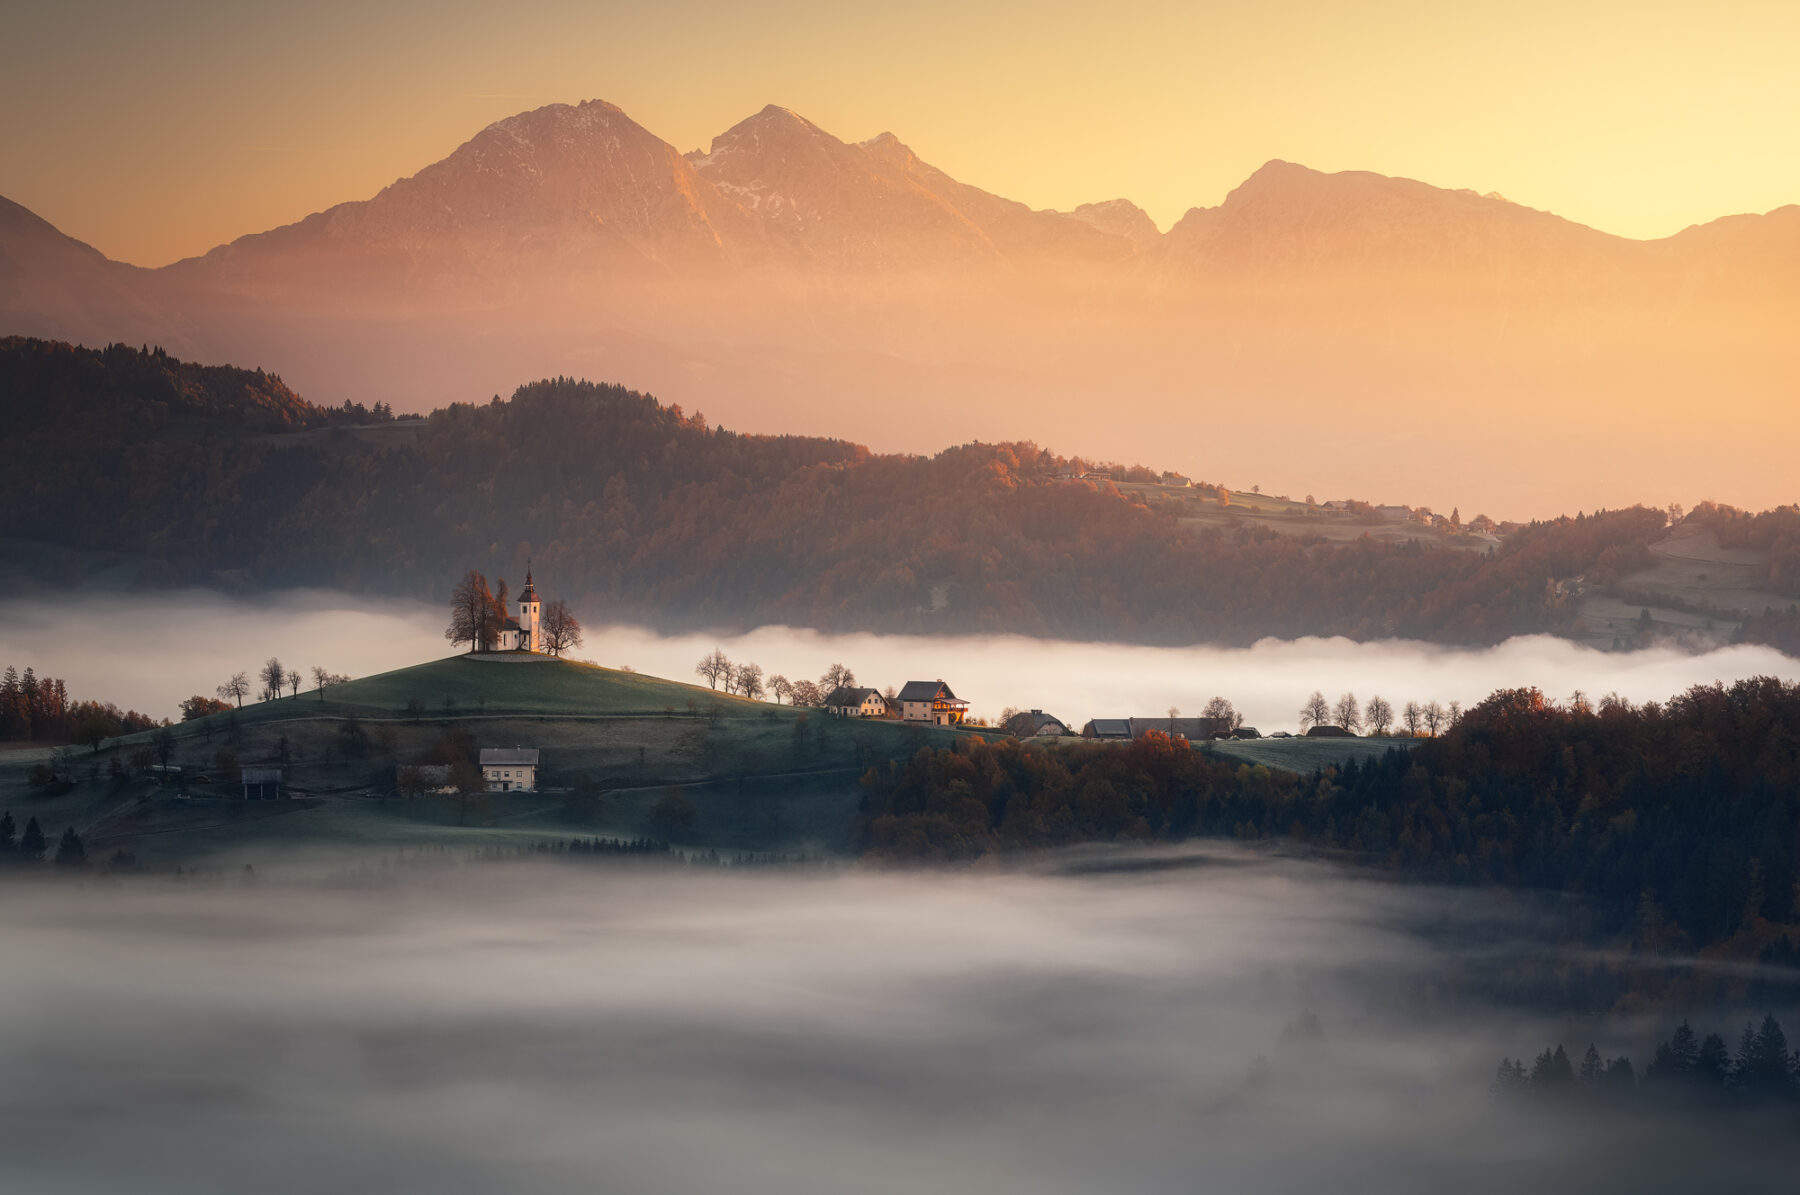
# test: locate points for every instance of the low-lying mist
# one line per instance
(148, 651)
(1213, 1023)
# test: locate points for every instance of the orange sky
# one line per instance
(155, 131)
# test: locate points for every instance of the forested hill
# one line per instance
(633, 510)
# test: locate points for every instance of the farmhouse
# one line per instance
(1107, 728)
(509, 769)
(931, 701)
(1035, 724)
(847, 702)
(261, 783)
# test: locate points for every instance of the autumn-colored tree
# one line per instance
(472, 613)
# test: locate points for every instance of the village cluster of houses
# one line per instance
(927, 702)
(1035, 724)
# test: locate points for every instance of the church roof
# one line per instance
(529, 593)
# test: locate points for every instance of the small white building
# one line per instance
(509, 769)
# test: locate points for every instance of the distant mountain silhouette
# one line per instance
(791, 280)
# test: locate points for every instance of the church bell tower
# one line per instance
(529, 633)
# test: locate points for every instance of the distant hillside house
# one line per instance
(1393, 514)
(856, 703)
(1107, 728)
(261, 784)
(1177, 479)
(1197, 730)
(509, 769)
(1035, 724)
(523, 633)
(932, 702)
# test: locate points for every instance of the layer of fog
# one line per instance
(521, 1028)
(148, 651)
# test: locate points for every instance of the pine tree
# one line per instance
(1712, 1065)
(31, 843)
(8, 832)
(69, 851)
(1592, 1068)
(1762, 1065)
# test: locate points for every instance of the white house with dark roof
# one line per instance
(509, 769)
(931, 702)
(851, 702)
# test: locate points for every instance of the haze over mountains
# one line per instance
(1368, 335)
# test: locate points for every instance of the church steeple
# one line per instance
(530, 630)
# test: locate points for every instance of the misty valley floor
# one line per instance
(1094, 1026)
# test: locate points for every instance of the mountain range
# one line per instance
(1382, 329)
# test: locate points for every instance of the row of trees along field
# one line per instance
(1686, 1067)
(646, 511)
(746, 680)
(1677, 823)
(272, 681)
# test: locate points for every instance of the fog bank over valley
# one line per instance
(148, 651)
(1213, 1022)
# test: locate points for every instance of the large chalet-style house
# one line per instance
(851, 702)
(931, 702)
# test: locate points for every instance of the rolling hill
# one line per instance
(1340, 331)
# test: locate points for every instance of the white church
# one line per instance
(524, 633)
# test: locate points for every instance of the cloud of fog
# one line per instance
(148, 651)
(534, 1029)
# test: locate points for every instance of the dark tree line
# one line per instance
(29, 848)
(647, 512)
(1763, 1069)
(1677, 823)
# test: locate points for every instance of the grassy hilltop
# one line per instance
(760, 777)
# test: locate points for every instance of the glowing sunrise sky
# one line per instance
(157, 130)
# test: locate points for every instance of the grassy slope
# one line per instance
(1305, 755)
(762, 777)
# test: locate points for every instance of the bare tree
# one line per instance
(1434, 717)
(1454, 715)
(321, 678)
(750, 681)
(837, 677)
(294, 682)
(1316, 711)
(560, 630)
(273, 677)
(472, 613)
(779, 686)
(1379, 715)
(1223, 715)
(807, 694)
(237, 687)
(1414, 717)
(715, 666)
(1348, 713)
